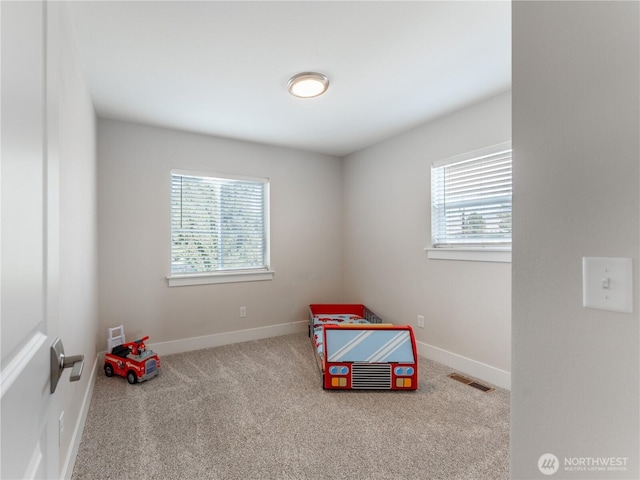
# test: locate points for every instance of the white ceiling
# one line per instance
(222, 68)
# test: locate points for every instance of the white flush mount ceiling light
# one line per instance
(308, 84)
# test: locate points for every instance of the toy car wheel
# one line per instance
(131, 377)
(108, 370)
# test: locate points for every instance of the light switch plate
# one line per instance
(607, 283)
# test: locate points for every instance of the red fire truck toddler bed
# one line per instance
(354, 353)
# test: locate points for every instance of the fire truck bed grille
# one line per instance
(371, 376)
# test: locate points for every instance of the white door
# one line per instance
(28, 250)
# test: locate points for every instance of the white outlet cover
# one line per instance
(607, 283)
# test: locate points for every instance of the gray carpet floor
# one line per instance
(256, 410)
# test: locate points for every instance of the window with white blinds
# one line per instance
(218, 224)
(471, 199)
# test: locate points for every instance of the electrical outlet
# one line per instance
(243, 312)
(61, 428)
(421, 321)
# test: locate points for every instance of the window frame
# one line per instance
(486, 252)
(228, 275)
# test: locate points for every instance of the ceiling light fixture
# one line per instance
(308, 84)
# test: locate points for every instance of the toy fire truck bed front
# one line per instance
(362, 357)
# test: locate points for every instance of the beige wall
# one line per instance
(306, 240)
(466, 305)
(576, 105)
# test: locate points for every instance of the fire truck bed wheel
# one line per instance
(108, 370)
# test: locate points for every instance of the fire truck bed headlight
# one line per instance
(408, 371)
(338, 370)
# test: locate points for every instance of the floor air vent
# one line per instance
(468, 381)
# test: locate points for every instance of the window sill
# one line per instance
(476, 254)
(223, 277)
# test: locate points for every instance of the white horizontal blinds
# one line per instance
(471, 201)
(217, 224)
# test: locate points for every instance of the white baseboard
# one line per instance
(70, 459)
(219, 339)
(487, 373)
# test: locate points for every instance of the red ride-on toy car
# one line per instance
(132, 360)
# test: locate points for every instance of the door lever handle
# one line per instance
(59, 362)
(76, 363)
